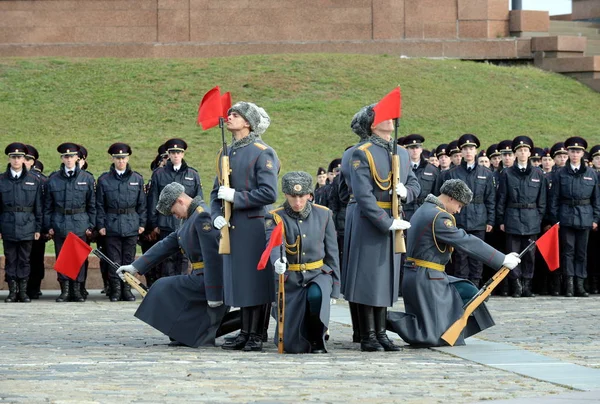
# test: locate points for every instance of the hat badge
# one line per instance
(174, 145)
(521, 142)
(576, 144)
(120, 151)
(68, 151)
(297, 187)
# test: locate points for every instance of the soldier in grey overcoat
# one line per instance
(434, 300)
(187, 308)
(253, 187)
(373, 269)
(310, 265)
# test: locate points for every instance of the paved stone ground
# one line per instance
(97, 352)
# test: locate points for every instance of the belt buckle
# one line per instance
(302, 267)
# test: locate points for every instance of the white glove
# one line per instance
(399, 224)
(219, 222)
(401, 191)
(214, 304)
(281, 265)
(511, 260)
(226, 193)
(126, 268)
(332, 301)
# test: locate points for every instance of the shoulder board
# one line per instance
(192, 168)
(261, 146)
(444, 211)
(135, 172)
(200, 209)
(276, 217)
(316, 205)
(103, 175)
(53, 173)
(365, 146)
(276, 210)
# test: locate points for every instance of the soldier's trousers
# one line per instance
(573, 251)
(466, 267)
(517, 243)
(120, 250)
(176, 264)
(593, 265)
(17, 255)
(36, 261)
(58, 243)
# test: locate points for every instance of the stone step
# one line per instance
(572, 24)
(570, 65)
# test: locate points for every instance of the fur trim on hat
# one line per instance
(296, 183)
(167, 198)
(458, 190)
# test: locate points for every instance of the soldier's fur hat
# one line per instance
(252, 114)
(458, 190)
(167, 198)
(362, 121)
(296, 183)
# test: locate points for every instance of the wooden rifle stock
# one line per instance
(400, 245)
(280, 313)
(130, 279)
(224, 243)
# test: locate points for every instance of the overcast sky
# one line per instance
(554, 6)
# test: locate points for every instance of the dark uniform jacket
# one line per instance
(575, 197)
(482, 209)
(70, 202)
(430, 180)
(20, 206)
(321, 194)
(121, 203)
(163, 176)
(521, 202)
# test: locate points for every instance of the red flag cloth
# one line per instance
(547, 245)
(390, 107)
(275, 240)
(72, 255)
(226, 103)
(210, 109)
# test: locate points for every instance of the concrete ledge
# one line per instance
(529, 21)
(559, 43)
(566, 65)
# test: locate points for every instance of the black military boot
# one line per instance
(368, 338)
(380, 330)
(594, 285)
(554, 284)
(504, 288)
(77, 296)
(33, 288)
(527, 292)
(569, 286)
(579, 289)
(12, 291)
(105, 289)
(231, 322)
(239, 342)
(517, 289)
(64, 292)
(265, 331)
(355, 322)
(127, 296)
(115, 290)
(315, 334)
(23, 291)
(255, 342)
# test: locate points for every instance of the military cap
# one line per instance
(120, 150)
(547, 152)
(595, 151)
(425, 153)
(321, 171)
(442, 150)
(537, 153)
(82, 152)
(453, 148)
(67, 149)
(522, 141)
(492, 151)
(167, 198)
(505, 146)
(558, 148)
(586, 156)
(249, 112)
(335, 163)
(468, 140)
(458, 190)
(16, 149)
(362, 121)
(175, 145)
(414, 140)
(296, 183)
(162, 149)
(575, 142)
(32, 152)
(482, 153)
(38, 166)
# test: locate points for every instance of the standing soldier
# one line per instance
(121, 215)
(20, 220)
(593, 243)
(536, 157)
(253, 187)
(559, 154)
(520, 208)
(494, 156)
(442, 155)
(575, 203)
(175, 170)
(454, 153)
(69, 206)
(373, 271)
(547, 161)
(478, 217)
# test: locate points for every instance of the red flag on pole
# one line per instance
(72, 255)
(275, 240)
(390, 107)
(226, 103)
(210, 109)
(548, 246)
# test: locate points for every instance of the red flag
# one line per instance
(210, 109)
(548, 246)
(72, 255)
(389, 107)
(275, 240)
(226, 103)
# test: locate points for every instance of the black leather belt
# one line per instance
(121, 211)
(575, 202)
(69, 211)
(17, 209)
(522, 205)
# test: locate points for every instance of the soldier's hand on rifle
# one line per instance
(126, 268)
(226, 193)
(36, 236)
(332, 301)
(511, 260)
(214, 304)
(219, 222)
(399, 224)
(401, 191)
(281, 265)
